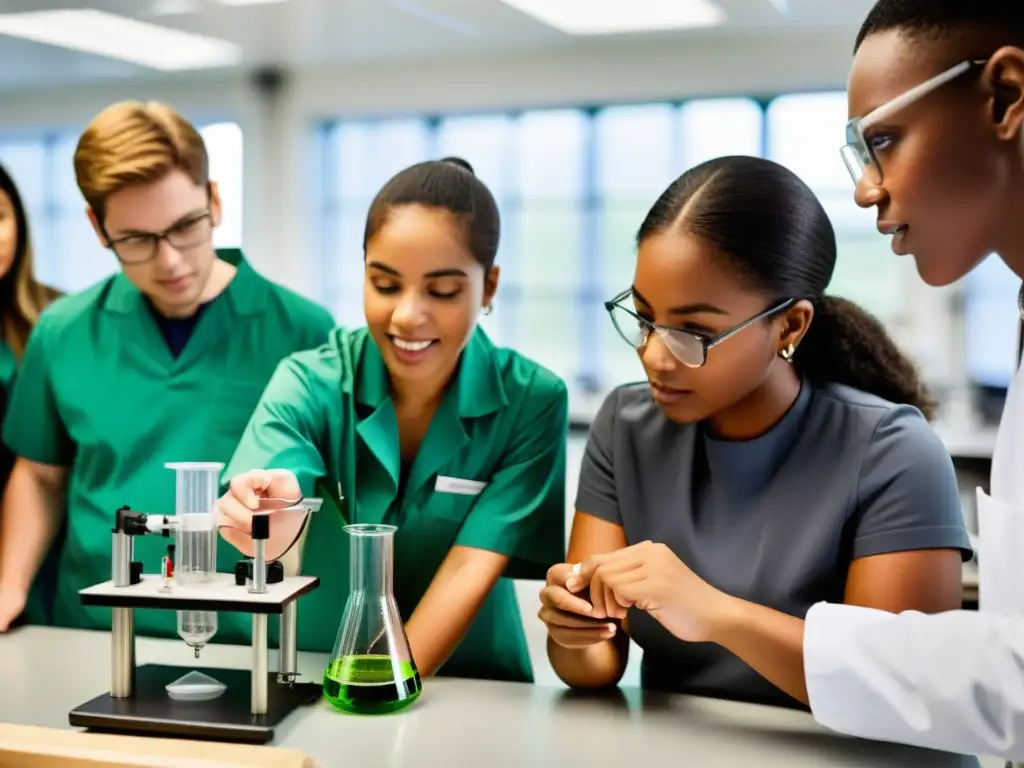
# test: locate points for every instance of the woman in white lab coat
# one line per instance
(935, 143)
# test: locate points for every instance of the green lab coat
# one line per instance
(100, 393)
(327, 415)
(8, 366)
(8, 369)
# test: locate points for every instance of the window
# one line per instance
(225, 147)
(715, 127)
(363, 155)
(805, 132)
(991, 322)
(546, 229)
(26, 162)
(640, 151)
(75, 254)
(533, 163)
(573, 187)
(66, 250)
(637, 156)
(487, 142)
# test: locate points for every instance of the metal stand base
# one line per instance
(227, 718)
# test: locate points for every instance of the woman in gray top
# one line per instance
(780, 449)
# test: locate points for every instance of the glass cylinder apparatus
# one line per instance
(195, 564)
(196, 486)
(371, 670)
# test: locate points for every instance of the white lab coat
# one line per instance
(953, 681)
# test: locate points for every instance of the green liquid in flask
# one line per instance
(371, 685)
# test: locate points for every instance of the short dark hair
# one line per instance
(774, 233)
(449, 184)
(938, 18)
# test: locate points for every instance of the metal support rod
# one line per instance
(287, 654)
(122, 653)
(121, 559)
(259, 567)
(259, 664)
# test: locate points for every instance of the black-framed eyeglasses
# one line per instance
(183, 235)
(688, 347)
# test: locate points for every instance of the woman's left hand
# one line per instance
(650, 577)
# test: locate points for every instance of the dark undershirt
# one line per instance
(177, 330)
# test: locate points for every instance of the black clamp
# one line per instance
(131, 524)
(243, 572)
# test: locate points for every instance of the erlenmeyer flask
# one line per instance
(371, 670)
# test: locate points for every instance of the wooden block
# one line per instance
(23, 746)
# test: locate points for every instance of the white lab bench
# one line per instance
(46, 672)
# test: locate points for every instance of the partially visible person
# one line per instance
(163, 361)
(779, 451)
(22, 300)
(417, 420)
(935, 143)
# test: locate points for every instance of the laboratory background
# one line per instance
(576, 121)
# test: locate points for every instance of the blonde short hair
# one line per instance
(133, 142)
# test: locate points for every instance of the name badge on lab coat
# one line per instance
(459, 486)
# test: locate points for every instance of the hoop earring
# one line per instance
(787, 353)
(488, 308)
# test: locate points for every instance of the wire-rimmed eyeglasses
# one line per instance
(688, 347)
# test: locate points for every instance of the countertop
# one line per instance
(45, 672)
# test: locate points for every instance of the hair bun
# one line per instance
(460, 163)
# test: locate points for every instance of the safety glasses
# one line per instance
(688, 347)
(857, 153)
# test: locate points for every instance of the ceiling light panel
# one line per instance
(604, 17)
(122, 38)
(248, 2)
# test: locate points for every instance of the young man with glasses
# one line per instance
(162, 362)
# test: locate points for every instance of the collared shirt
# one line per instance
(100, 392)
(328, 416)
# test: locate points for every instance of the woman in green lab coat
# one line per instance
(22, 299)
(163, 361)
(419, 421)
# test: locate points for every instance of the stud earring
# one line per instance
(787, 353)
(488, 308)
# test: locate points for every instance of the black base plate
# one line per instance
(227, 718)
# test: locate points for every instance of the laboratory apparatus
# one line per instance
(224, 704)
(371, 670)
(196, 486)
(195, 502)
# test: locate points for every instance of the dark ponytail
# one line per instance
(775, 233)
(848, 345)
(450, 185)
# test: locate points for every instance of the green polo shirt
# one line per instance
(8, 369)
(328, 417)
(99, 392)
